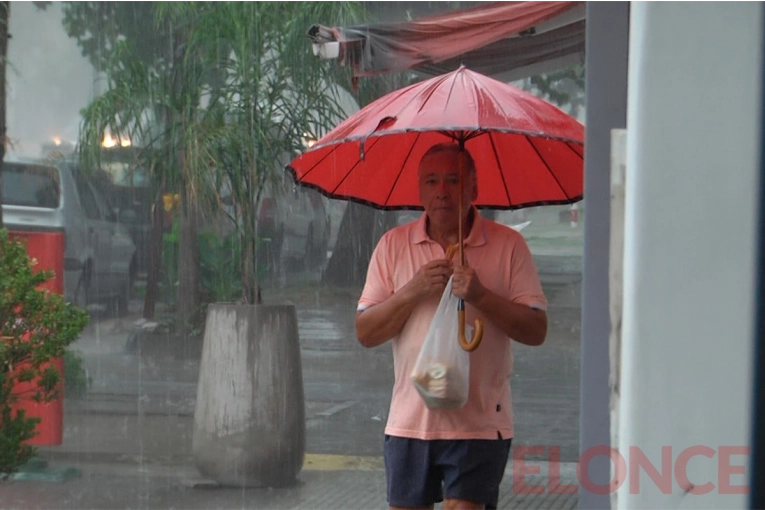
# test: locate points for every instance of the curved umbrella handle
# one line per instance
(473, 344)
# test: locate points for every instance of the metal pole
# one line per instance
(757, 481)
(606, 71)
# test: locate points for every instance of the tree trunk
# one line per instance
(5, 16)
(188, 267)
(188, 297)
(155, 258)
(360, 230)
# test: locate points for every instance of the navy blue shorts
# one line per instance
(421, 473)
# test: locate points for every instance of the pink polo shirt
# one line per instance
(504, 265)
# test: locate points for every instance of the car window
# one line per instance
(103, 205)
(87, 199)
(31, 186)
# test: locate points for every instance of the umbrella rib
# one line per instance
(557, 181)
(498, 103)
(568, 144)
(410, 101)
(403, 165)
(433, 91)
(451, 89)
(350, 170)
(328, 154)
(499, 164)
(521, 106)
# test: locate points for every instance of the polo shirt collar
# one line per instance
(477, 236)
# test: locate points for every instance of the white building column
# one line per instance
(694, 131)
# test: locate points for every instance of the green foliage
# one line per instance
(226, 100)
(76, 380)
(36, 326)
(220, 267)
(15, 428)
(169, 273)
(97, 26)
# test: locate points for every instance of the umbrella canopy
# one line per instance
(527, 151)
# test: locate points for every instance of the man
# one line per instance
(431, 454)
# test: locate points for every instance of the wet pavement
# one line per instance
(136, 419)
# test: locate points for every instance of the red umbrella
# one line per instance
(527, 151)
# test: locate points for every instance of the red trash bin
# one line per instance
(48, 248)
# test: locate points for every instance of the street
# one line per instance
(127, 440)
(347, 386)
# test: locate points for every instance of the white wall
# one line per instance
(693, 154)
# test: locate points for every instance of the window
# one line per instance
(103, 206)
(87, 199)
(31, 186)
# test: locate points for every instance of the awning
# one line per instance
(508, 40)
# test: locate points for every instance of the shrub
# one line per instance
(36, 326)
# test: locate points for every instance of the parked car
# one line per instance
(293, 226)
(99, 256)
(127, 190)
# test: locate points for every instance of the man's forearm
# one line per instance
(381, 322)
(520, 322)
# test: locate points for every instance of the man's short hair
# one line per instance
(451, 148)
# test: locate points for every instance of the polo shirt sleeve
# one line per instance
(379, 284)
(525, 287)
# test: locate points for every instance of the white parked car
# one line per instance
(99, 257)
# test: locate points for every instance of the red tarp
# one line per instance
(487, 38)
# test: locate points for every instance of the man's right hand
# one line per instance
(430, 279)
(381, 322)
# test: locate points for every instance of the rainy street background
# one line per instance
(136, 398)
(143, 390)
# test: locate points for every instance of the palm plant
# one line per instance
(272, 95)
(155, 104)
(229, 101)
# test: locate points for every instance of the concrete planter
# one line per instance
(249, 424)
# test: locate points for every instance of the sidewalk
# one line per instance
(324, 483)
(143, 459)
(134, 451)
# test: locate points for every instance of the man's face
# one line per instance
(440, 191)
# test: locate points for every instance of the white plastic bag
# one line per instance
(442, 371)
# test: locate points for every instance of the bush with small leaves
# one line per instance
(36, 326)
